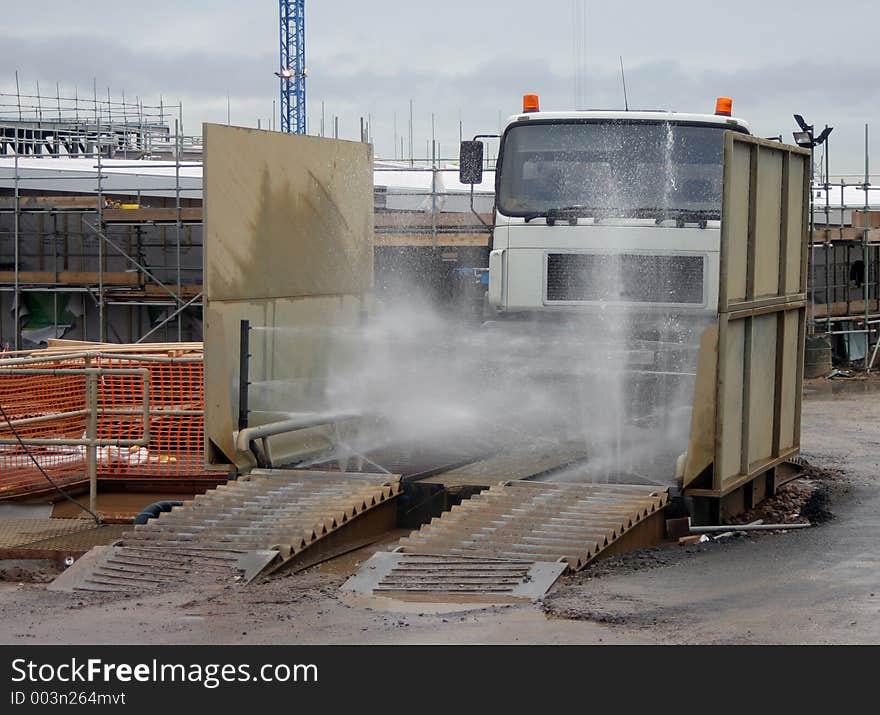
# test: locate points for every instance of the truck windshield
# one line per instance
(626, 169)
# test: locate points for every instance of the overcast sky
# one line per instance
(472, 60)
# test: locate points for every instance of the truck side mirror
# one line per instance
(470, 163)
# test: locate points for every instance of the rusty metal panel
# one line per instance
(288, 246)
(762, 309)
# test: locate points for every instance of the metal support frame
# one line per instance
(77, 124)
(171, 317)
(17, 220)
(292, 76)
(99, 228)
(244, 357)
(82, 127)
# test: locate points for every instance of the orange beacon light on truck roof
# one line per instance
(724, 106)
(531, 103)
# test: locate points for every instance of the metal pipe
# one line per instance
(145, 358)
(746, 527)
(17, 307)
(120, 411)
(243, 438)
(102, 323)
(171, 317)
(830, 266)
(50, 442)
(866, 252)
(433, 194)
(92, 436)
(91, 441)
(243, 374)
(177, 225)
(57, 372)
(874, 355)
(25, 421)
(140, 267)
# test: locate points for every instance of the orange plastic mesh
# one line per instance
(31, 396)
(176, 441)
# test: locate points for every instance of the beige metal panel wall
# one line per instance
(762, 308)
(288, 246)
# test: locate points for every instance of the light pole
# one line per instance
(807, 139)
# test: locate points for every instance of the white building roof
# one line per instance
(157, 178)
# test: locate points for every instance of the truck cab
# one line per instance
(597, 210)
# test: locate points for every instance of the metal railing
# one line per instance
(90, 440)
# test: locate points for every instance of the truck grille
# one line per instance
(624, 278)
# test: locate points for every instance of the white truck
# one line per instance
(605, 208)
(604, 271)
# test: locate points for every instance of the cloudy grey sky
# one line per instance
(469, 59)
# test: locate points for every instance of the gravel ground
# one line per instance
(819, 585)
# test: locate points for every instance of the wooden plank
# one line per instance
(738, 481)
(701, 447)
(62, 344)
(767, 246)
(187, 291)
(847, 233)
(120, 278)
(46, 203)
(405, 219)
(866, 219)
(426, 239)
(841, 309)
(763, 379)
(145, 215)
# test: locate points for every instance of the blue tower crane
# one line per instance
(292, 72)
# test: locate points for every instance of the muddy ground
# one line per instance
(820, 585)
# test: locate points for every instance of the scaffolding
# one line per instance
(844, 269)
(59, 125)
(102, 240)
(111, 244)
(101, 216)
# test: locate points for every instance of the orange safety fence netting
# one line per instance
(175, 449)
(27, 397)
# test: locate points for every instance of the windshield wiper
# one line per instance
(569, 213)
(573, 213)
(681, 216)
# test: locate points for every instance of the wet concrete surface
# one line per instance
(820, 585)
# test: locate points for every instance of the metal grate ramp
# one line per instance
(462, 579)
(266, 520)
(511, 528)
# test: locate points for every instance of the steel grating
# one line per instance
(268, 519)
(527, 462)
(539, 521)
(18, 532)
(425, 577)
